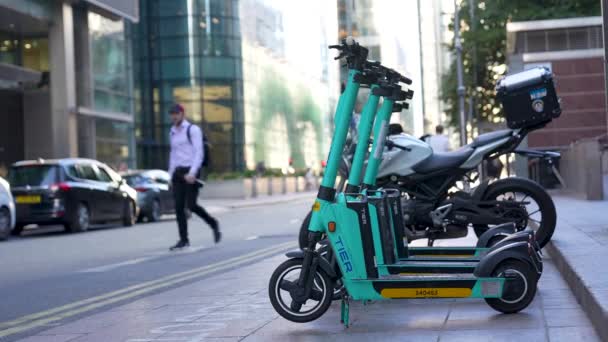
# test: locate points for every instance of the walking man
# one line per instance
(186, 159)
(439, 142)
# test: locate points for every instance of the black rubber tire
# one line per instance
(522, 300)
(17, 230)
(327, 289)
(536, 192)
(303, 234)
(5, 229)
(129, 215)
(155, 212)
(79, 223)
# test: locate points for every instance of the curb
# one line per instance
(597, 314)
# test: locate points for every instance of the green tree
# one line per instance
(487, 38)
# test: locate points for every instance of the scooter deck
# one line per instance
(447, 254)
(414, 267)
(438, 285)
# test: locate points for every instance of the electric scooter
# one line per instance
(300, 289)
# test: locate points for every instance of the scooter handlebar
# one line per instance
(406, 80)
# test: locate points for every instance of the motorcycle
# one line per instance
(436, 208)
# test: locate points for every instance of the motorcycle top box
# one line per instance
(528, 98)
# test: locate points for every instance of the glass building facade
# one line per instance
(236, 68)
(112, 88)
(189, 51)
(66, 79)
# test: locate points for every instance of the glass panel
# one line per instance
(178, 46)
(103, 175)
(35, 54)
(109, 63)
(86, 171)
(35, 175)
(215, 112)
(536, 41)
(136, 179)
(72, 171)
(218, 67)
(178, 67)
(9, 49)
(109, 101)
(175, 27)
(112, 142)
(557, 40)
(172, 7)
(579, 39)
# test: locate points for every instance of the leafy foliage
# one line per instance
(485, 44)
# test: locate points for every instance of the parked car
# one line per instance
(71, 192)
(7, 209)
(153, 194)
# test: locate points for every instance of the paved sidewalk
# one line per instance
(234, 306)
(222, 205)
(580, 249)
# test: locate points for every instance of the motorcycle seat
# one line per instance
(444, 160)
(488, 138)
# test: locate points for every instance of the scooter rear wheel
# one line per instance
(283, 288)
(519, 289)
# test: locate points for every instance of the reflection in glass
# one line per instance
(9, 49)
(112, 141)
(109, 63)
(35, 54)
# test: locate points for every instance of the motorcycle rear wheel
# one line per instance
(542, 216)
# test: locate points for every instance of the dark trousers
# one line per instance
(186, 196)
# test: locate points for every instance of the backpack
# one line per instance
(206, 157)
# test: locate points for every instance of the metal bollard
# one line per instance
(254, 186)
(297, 184)
(269, 185)
(284, 184)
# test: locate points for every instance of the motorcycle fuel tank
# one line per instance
(400, 162)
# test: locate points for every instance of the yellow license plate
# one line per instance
(35, 199)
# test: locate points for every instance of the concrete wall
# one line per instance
(37, 118)
(63, 124)
(581, 168)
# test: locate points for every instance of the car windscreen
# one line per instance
(33, 175)
(135, 180)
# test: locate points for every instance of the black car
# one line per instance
(153, 194)
(71, 192)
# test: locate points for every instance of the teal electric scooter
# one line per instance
(467, 257)
(301, 288)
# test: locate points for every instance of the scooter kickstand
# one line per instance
(345, 312)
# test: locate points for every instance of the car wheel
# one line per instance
(155, 212)
(17, 230)
(81, 219)
(129, 214)
(5, 223)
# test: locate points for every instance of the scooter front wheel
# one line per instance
(519, 289)
(285, 294)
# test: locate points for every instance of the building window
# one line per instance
(112, 142)
(9, 49)
(109, 64)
